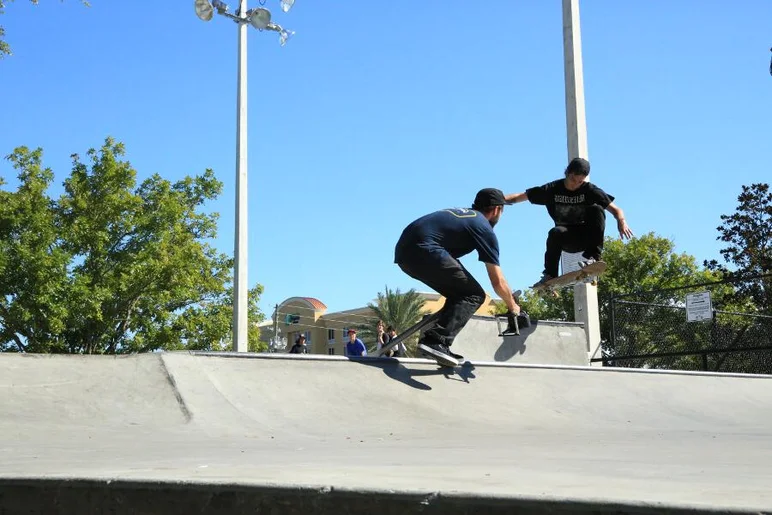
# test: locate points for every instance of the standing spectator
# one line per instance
(300, 346)
(380, 333)
(355, 347)
(401, 350)
(381, 338)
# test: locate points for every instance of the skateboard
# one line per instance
(422, 325)
(589, 274)
(425, 323)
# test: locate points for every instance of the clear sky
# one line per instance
(377, 112)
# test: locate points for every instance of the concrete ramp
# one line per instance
(544, 343)
(198, 433)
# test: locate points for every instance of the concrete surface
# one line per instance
(544, 343)
(250, 434)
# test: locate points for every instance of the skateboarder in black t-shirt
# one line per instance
(577, 207)
(428, 250)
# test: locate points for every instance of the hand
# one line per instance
(624, 230)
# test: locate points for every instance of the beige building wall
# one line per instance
(326, 333)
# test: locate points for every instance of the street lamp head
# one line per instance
(204, 10)
(286, 5)
(260, 18)
(284, 35)
(221, 6)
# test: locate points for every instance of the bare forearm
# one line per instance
(505, 293)
(624, 229)
(514, 198)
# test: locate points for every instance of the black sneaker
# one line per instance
(438, 352)
(545, 277)
(457, 357)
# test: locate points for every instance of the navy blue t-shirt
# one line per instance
(568, 207)
(454, 231)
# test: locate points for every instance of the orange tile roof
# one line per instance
(316, 303)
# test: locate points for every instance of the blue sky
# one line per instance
(378, 112)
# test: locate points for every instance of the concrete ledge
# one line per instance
(544, 343)
(80, 496)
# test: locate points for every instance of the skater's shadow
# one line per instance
(399, 372)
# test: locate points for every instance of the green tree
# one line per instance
(644, 263)
(110, 267)
(397, 309)
(33, 265)
(652, 320)
(748, 235)
(5, 49)
(208, 326)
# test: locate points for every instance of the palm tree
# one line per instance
(397, 309)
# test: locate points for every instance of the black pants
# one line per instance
(587, 238)
(463, 294)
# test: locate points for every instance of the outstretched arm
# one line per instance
(501, 287)
(514, 198)
(624, 230)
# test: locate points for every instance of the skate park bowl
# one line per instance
(543, 343)
(174, 433)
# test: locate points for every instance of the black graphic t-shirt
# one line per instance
(455, 231)
(568, 207)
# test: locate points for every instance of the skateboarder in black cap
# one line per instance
(428, 250)
(577, 207)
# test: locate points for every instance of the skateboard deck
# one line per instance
(440, 361)
(424, 323)
(589, 273)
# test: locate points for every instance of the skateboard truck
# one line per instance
(512, 326)
(514, 323)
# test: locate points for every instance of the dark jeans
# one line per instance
(463, 294)
(587, 238)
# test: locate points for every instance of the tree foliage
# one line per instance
(748, 235)
(109, 266)
(645, 263)
(646, 282)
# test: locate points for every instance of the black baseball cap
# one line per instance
(488, 197)
(578, 166)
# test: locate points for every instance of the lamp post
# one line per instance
(586, 307)
(260, 19)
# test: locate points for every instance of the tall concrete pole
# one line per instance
(240, 290)
(585, 295)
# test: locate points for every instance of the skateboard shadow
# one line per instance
(399, 372)
(514, 345)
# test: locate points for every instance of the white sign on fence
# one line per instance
(698, 307)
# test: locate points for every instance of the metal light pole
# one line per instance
(585, 295)
(259, 18)
(240, 289)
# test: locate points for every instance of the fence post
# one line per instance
(613, 320)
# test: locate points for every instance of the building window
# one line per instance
(331, 351)
(331, 335)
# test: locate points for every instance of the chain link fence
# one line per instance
(662, 330)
